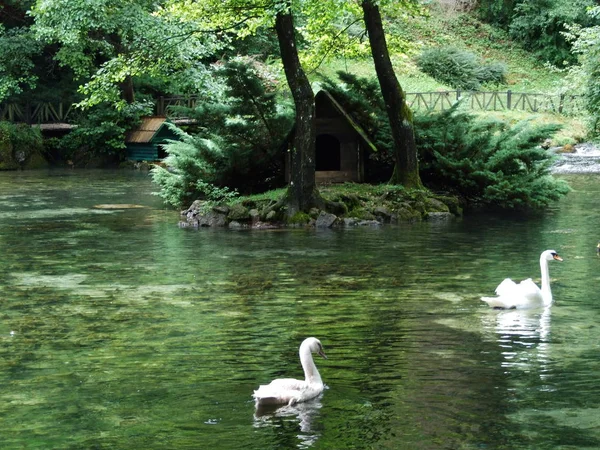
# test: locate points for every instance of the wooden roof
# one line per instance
(357, 128)
(146, 130)
(360, 133)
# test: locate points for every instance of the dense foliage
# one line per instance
(586, 45)
(238, 144)
(539, 24)
(100, 132)
(485, 162)
(460, 69)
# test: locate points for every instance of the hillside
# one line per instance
(443, 27)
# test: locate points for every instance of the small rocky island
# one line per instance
(368, 206)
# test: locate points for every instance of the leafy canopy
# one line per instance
(105, 42)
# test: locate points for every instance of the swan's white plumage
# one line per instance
(525, 294)
(289, 390)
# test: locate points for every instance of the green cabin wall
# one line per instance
(148, 151)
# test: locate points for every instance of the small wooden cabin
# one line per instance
(145, 143)
(341, 143)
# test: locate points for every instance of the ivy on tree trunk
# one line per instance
(406, 169)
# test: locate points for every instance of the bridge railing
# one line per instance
(37, 113)
(566, 104)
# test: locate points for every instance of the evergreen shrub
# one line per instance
(487, 162)
(237, 145)
(190, 171)
(460, 69)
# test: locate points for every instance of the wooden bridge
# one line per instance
(62, 114)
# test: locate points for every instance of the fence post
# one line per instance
(457, 94)
(561, 103)
(509, 99)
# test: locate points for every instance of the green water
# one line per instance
(119, 330)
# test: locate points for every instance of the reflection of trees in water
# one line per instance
(302, 416)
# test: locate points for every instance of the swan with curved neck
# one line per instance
(526, 294)
(289, 390)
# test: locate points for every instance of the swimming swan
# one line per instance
(289, 390)
(526, 294)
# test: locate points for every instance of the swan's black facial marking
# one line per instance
(320, 351)
(556, 257)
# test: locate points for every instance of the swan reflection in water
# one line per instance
(523, 335)
(303, 415)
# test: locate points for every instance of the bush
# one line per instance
(190, 172)
(460, 69)
(238, 142)
(487, 163)
(20, 146)
(100, 133)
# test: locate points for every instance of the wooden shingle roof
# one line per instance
(146, 130)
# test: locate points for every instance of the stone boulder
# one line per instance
(326, 220)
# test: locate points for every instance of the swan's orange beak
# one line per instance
(556, 257)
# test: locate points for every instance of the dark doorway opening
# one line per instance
(327, 153)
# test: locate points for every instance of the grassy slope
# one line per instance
(526, 73)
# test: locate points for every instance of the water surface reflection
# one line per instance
(119, 330)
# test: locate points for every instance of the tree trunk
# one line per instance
(406, 169)
(127, 91)
(302, 190)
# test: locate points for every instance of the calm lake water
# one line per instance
(119, 330)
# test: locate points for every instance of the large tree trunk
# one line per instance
(406, 170)
(302, 191)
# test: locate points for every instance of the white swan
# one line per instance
(289, 390)
(526, 294)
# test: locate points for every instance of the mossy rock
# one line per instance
(435, 205)
(7, 161)
(337, 208)
(238, 212)
(453, 204)
(351, 200)
(361, 213)
(408, 215)
(300, 218)
(36, 161)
